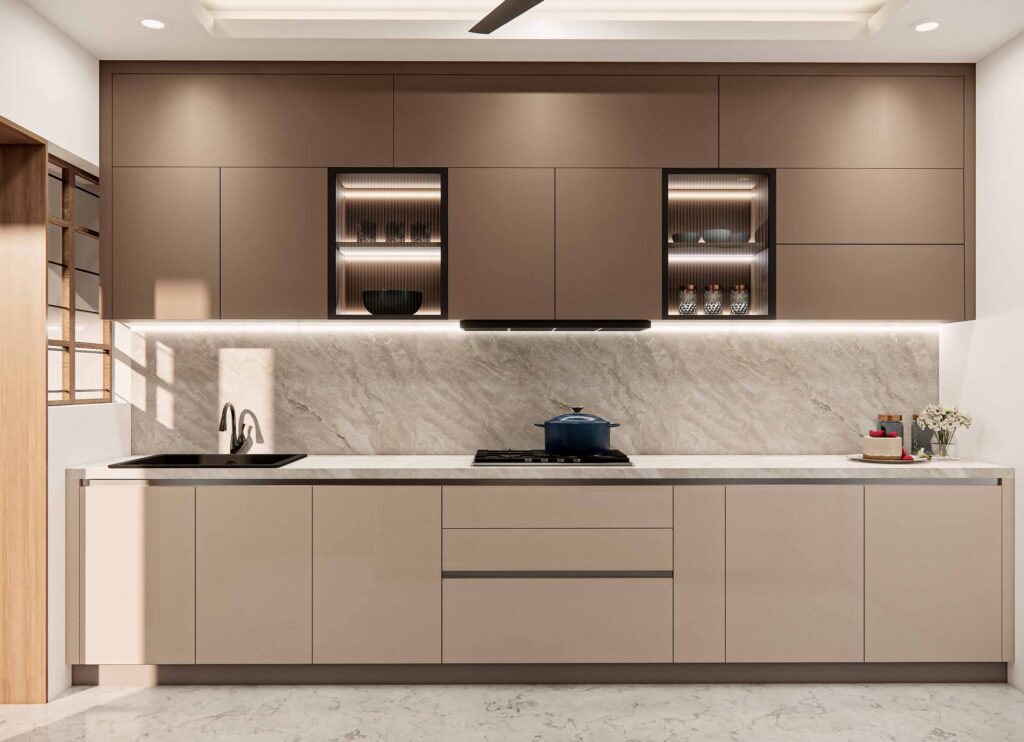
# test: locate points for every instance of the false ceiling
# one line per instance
(555, 30)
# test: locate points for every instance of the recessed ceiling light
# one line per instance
(926, 26)
(154, 24)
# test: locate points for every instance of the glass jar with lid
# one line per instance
(688, 300)
(713, 299)
(739, 299)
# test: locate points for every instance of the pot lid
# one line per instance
(577, 417)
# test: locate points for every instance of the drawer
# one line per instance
(557, 620)
(557, 549)
(564, 506)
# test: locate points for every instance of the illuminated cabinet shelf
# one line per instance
(387, 246)
(718, 229)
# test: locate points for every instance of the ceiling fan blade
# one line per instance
(507, 11)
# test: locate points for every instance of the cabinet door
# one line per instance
(699, 573)
(166, 243)
(138, 575)
(608, 237)
(273, 237)
(254, 575)
(501, 252)
(824, 121)
(260, 120)
(869, 282)
(377, 574)
(794, 573)
(933, 573)
(556, 121)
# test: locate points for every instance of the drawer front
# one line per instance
(557, 549)
(557, 620)
(564, 506)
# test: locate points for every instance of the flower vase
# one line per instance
(945, 450)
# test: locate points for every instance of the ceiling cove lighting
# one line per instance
(926, 26)
(711, 258)
(710, 195)
(409, 194)
(153, 24)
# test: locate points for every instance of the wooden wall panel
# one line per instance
(501, 254)
(555, 121)
(166, 243)
(864, 121)
(23, 427)
(851, 207)
(870, 282)
(273, 237)
(252, 120)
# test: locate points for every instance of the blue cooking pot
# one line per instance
(577, 434)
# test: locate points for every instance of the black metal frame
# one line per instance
(332, 247)
(770, 173)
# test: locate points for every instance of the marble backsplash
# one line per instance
(326, 391)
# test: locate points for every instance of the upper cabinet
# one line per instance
(254, 120)
(556, 121)
(833, 121)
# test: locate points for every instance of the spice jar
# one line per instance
(739, 299)
(688, 300)
(920, 438)
(713, 299)
(890, 423)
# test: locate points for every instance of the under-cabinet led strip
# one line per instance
(420, 194)
(711, 258)
(681, 195)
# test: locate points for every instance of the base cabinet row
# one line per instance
(287, 574)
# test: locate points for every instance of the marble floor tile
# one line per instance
(596, 713)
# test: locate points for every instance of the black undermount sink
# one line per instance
(210, 461)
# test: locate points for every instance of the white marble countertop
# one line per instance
(445, 468)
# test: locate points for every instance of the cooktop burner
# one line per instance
(510, 457)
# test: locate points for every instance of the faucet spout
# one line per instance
(237, 436)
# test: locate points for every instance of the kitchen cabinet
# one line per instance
(933, 573)
(166, 243)
(254, 569)
(547, 620)
(252, 120)
(556, 121)
(794, 573)
(501, 257)
(853, 207)
(842, 121)
(699, 573)
(273, 232)
(608, 259)
(871, 282)
(376, 574)
(138, 575)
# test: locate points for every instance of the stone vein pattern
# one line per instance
(454, 392)
(596, 713)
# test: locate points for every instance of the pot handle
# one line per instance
(614, 425)
(539, 425)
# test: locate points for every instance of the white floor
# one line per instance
(746, 713)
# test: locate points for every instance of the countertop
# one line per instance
(672, 468)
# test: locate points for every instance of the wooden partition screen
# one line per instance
(22, 417)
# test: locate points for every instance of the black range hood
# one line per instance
(552, 325)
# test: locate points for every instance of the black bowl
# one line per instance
(392, 301)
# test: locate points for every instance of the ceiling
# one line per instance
(556, 30)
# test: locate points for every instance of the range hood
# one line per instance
(552, 325)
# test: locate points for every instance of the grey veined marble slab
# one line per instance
(350, 392)
(674, 468)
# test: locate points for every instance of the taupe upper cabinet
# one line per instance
(501, 233)
(608, 260)
(252, 120)
(833, 121)
(555, 121)
(273, 232)
(166, 243)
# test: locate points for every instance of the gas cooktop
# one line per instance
(510, 457)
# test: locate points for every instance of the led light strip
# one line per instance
(722, 195)
(711, 258)
(417, 194)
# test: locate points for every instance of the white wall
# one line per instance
(48, 83)
(982, 362)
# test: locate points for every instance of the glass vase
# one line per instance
(945, 450)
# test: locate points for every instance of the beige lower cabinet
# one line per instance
(376, 574)
(254, 570)
(138, 575)
(794, 573)
(699, 573)
(550, 620)
(933, 590)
